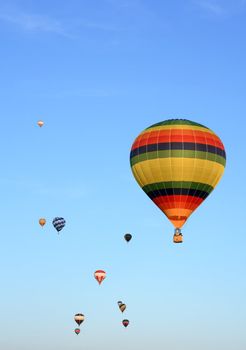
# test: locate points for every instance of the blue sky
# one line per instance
(98, 73)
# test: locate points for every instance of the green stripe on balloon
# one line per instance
(177, 184)
(178, 154)
(177, 122)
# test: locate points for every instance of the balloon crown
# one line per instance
(178, 121)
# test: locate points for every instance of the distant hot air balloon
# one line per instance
(40, 123)
(100, 275)
(42, 222)
(77, 331)
(122, 307)
(59, 223)
(128, 237)
(79, 318)
(177, 163)
(125, 323)
(119, 303)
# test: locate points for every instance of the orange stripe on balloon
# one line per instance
(177, 202)
(163, 136)
(177, 223)
(185, 132)
(182, 212)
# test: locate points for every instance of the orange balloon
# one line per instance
(40, 123)
(42, 222)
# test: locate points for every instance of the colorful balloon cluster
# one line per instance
(177, 163)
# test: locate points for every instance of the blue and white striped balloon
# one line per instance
(58, 223)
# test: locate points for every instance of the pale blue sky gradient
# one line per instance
(98, 73)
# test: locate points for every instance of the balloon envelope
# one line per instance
(59, 223)
(128, 237)
(177, 163)
(79, 318)
(100, 275)
(77, 331)
(40, 123)
(122, 307)
(42, 222)
(125, 323)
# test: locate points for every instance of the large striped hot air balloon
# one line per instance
(177, 163)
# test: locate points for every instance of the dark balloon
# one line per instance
(128, 237)
(58, 223)
(125, 323)
(77, 331)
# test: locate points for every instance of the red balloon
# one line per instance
(100, 275)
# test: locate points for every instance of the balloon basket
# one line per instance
(177, 237)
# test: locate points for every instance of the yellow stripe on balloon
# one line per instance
(181, 169)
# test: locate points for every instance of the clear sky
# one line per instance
(98, 72)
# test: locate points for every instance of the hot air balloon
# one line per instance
(100, 275)
(125, 323)
(128, 237)
(79, 318)
(122, 307)
(40, 123)
(119, 303)
(58, 223)
(177, 163)
(42, 222)
(77, 331)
